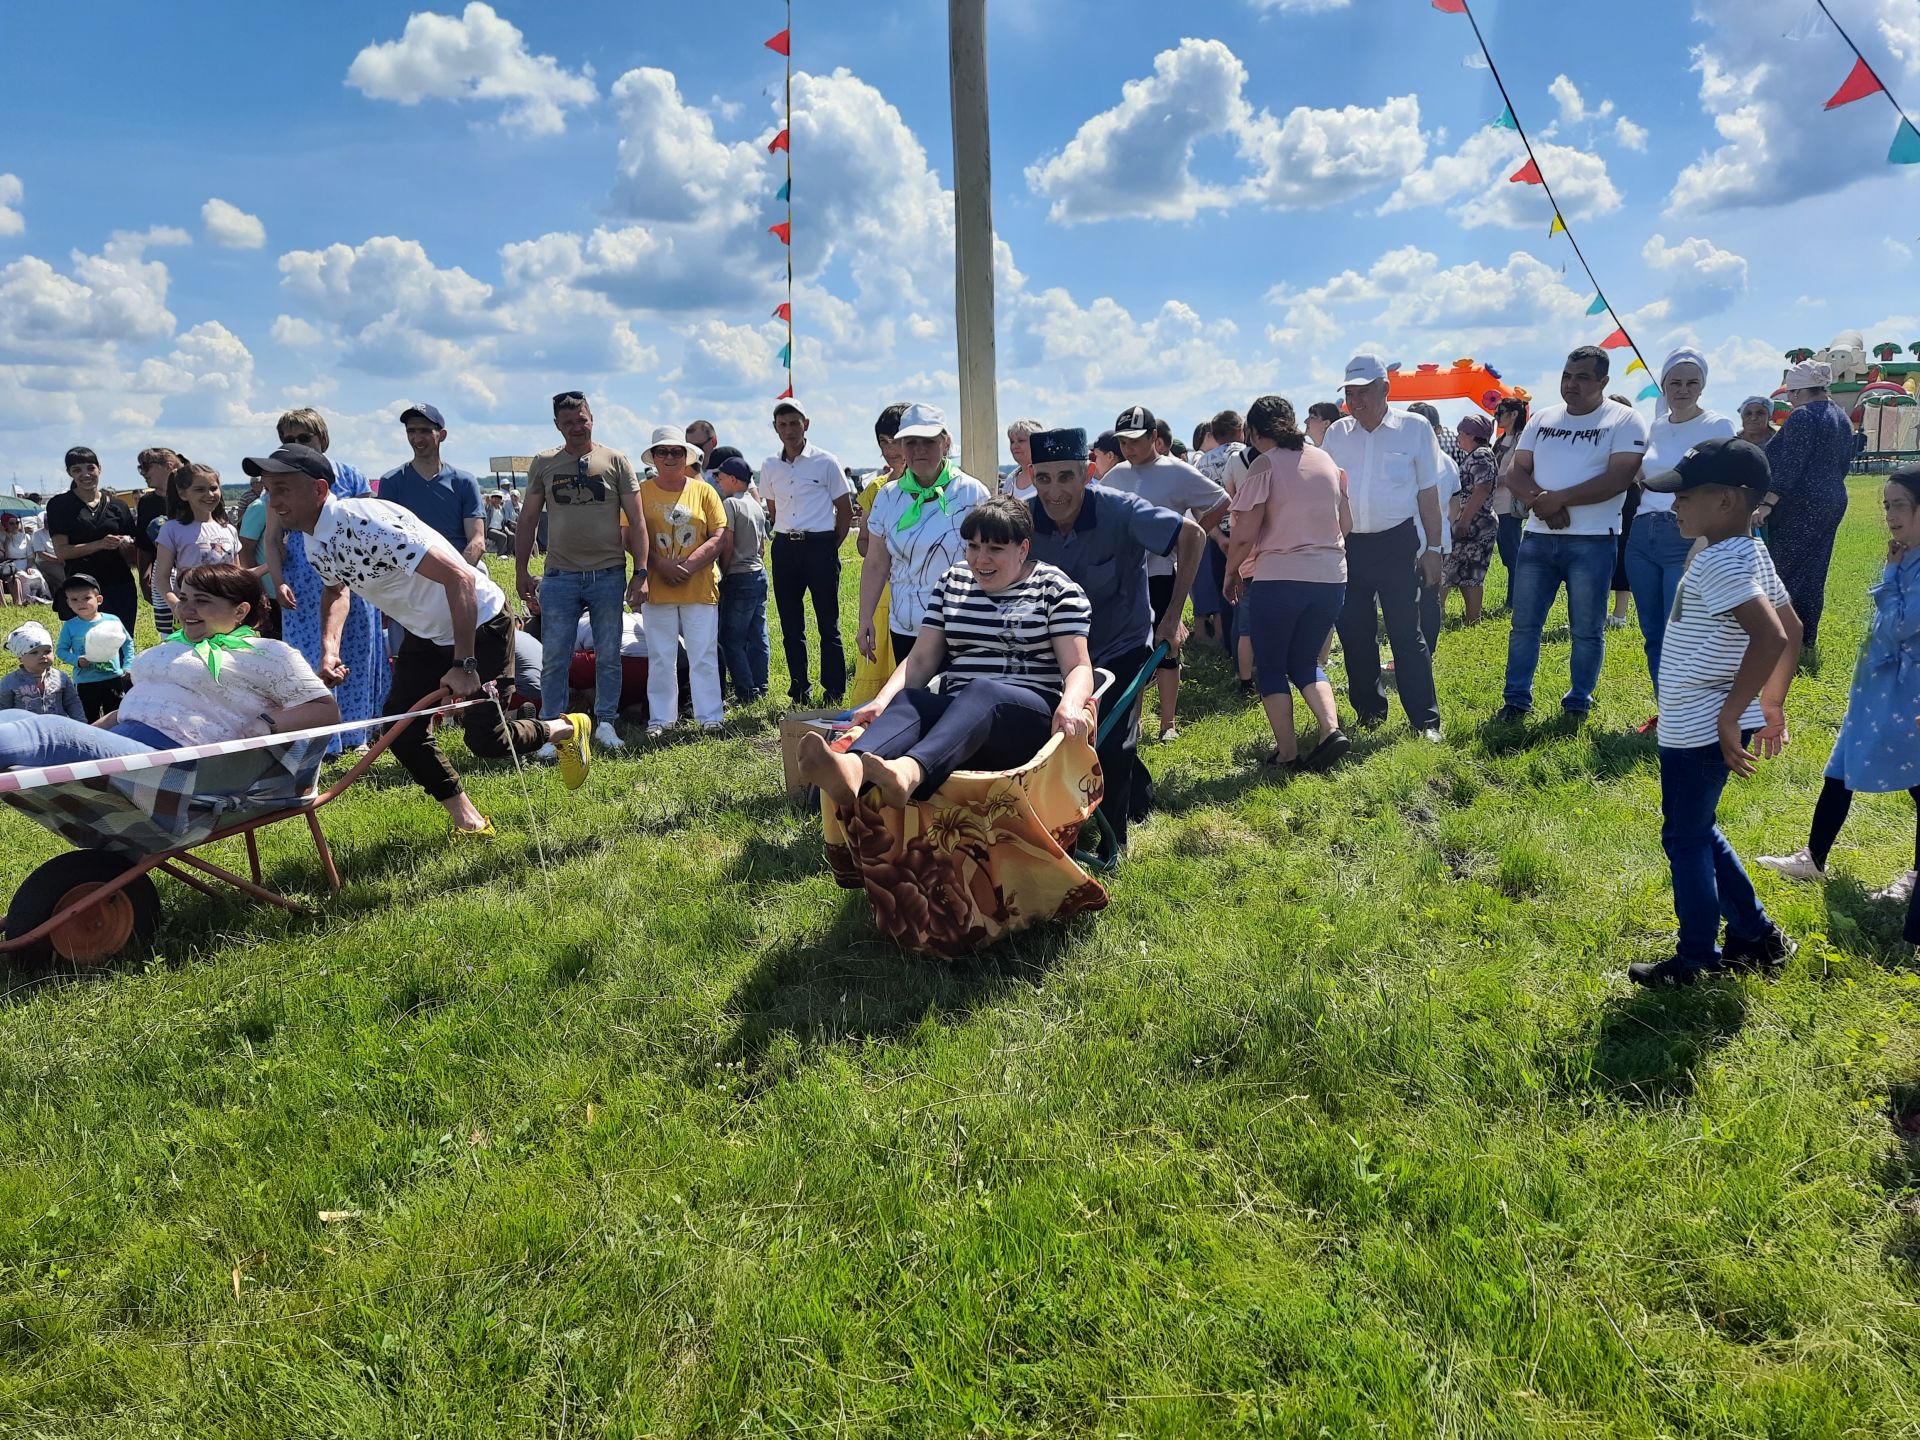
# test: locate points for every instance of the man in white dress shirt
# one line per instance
(809, 510)
(1393, 478)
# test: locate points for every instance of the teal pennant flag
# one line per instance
(1649, 392)
(786, 356)
(1906, 144)
(1506, 120)
(1599, 305)
(786, 191)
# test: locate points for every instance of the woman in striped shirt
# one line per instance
(1008, 635)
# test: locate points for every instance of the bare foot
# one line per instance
(461, 811)
(896, 780)
(837, 776)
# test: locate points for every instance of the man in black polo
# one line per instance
(1102, 539)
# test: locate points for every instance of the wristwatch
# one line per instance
(471, 665)
(639, 572)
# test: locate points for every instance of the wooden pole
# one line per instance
(973, 241)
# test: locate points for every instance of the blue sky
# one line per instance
(208, 213)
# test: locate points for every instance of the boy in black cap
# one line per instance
(1729, 654)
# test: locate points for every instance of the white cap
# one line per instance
(669, 435)
(1810, 375)
(1365, 370)
(791, 404)
(921, 422)
(28, 638)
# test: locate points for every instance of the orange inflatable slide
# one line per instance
(1466, 380)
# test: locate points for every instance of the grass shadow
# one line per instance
(1873, 930)
(1615, 755)
(1649, 1044)
(1899, 1176)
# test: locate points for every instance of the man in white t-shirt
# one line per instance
(457, 631)
(809, 509)
(1571, 470)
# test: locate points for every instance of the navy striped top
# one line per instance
(1008, 636)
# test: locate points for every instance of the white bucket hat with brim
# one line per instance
(673, 437)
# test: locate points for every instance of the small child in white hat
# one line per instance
(38, 686)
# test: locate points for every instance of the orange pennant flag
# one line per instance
(781, 44)
(1452, 7)
(779, 142)
(1859, 84)
(786, 394)
(783, 312)
(784, 230)
(1527, 174)
(1616, 341)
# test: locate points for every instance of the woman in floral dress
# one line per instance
(1476, 528)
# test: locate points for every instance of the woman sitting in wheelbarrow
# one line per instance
(214, 678)
(1008, 636)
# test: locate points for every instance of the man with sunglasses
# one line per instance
(591, 497)
(809, 509)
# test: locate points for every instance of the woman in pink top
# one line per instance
(1288, 566)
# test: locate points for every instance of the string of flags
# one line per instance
(1531, 174)
(1862, 82)
(782, 144)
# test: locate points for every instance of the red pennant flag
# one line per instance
(780, 142)
(784, 230)
(1452, 7)
(1860, 84)
(784, 312)
(786, 394)
(1527, 174)
(781, 44)
(1616, 341)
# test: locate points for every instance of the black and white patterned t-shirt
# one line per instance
(375, 548)
(1008, 636)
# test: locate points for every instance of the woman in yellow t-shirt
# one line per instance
(870, 673)
(688, 525)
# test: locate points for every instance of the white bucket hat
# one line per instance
(673, 437)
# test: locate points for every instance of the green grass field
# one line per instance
(1341, 1120)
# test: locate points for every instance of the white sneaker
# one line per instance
(1797, 866)
(605, 737)
(1900, 891)
(1170, 734)
(547, 753)
(1616, 622)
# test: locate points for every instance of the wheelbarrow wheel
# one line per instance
(122, 920)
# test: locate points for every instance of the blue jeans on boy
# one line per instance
(563, 595)
(1584, 563)
(744, 649)
(1708, 879)
(1656, 559)
(29, 741)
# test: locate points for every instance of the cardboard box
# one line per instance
(793, 725)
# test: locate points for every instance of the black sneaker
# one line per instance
(1769, 952)
(1509, 715)
(1331, 750)
(1670, 973)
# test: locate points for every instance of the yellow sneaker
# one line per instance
(575, 752)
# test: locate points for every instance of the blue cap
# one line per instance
(736, 467)
(428, 413)
(1050, 446)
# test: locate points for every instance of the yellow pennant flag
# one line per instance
(1636, 365)
(1559, 226)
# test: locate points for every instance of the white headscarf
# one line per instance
(1685, 355)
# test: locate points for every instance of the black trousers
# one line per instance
(417, 670)
(1119, 757)
(902, 645)
(97, 697)
(986, 725)
(1830, 813)
(1381, 568)
(804, 565)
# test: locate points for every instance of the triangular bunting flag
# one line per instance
(786, 356)
(1649, 393)
(786, 394)
(1452, 7)
(1616, 341)
(779, 142)
(1638, 364)
(781, 44)
(1809, 26)
(1860, 83)
(1527, 174)
(1599, 305)
(785, 192)
(784, 230)
(1506, 120)
(783, 311)
(1906, 144)
(1559, 226)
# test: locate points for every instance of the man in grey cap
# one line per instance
(1393, 477)
(1102, 537)
(448, 499)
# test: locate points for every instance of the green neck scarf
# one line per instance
(239, 638)
(936, 491)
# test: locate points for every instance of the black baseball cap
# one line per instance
(428, 413)
(291, 460)
(737, 467)
(1133, 422)
(1719, 461)
(1107, 443)
(722, 454)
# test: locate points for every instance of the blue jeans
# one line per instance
(1656, 559)
(1508, 544)
(743, 633)
(29, 741)
(1708, 879)
(1584, 563)
(563, 595)
(1288, 621)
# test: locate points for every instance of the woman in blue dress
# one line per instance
(1807, 500)
(1877, 749)
(363, 644)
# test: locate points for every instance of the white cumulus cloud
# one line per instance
(1630, 135)
(11, 193)
(1573, 106)
(478, 56)
(230, 226)
(1702, 279)
(1474, 183)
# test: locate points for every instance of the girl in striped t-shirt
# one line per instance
(1009, 637)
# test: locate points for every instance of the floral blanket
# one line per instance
(990, 854)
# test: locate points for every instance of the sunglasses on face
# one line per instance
(298, 437)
